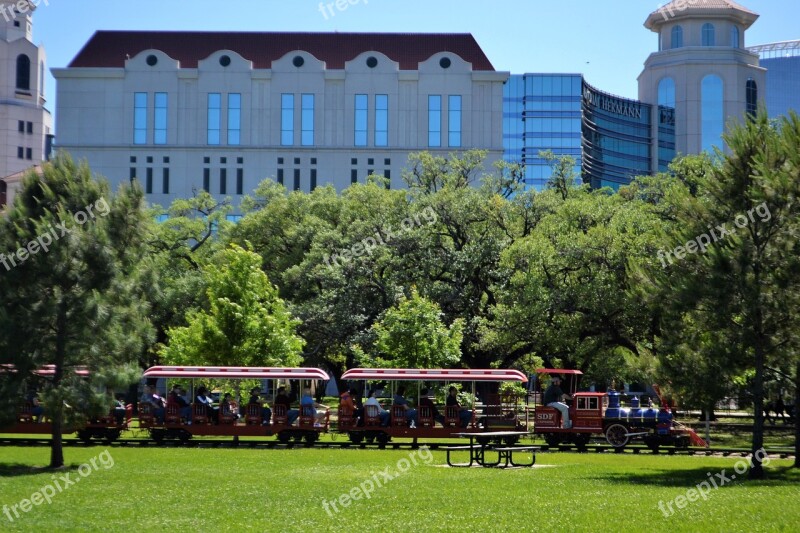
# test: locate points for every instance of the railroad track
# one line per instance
(783, 453)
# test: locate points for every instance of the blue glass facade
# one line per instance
(782, 61)
(611, 138)
(542, 112)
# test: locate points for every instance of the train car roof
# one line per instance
(558, 371)
(46, 371)
(412, 374)
(235, 372)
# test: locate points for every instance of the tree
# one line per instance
(412, 335)
(737, 270)
(246, 324)
(72, 286)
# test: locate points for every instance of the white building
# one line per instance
(702, 69)
(184, 112)
(25, 124)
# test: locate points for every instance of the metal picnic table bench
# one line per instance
(477, 452)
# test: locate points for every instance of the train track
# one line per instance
(783, 453)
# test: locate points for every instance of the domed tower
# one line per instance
(25, 124)
(702, 69)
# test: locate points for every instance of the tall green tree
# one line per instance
(246, 323)
(737, 270)
(412, 335)
(72, 286)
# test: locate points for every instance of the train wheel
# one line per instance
(581, 440)
(617, 435)
(356, 438)
(184, 436)
(311, 437)
(85, 435)
(285, 437)
(510, 441)
(112, 435)
(383, 438)
(552, 440)
(157, 435)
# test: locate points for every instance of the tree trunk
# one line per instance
(757, 470)
(56, 445)
(796, 412)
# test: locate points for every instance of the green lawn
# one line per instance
(154, 489)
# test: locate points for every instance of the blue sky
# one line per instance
(603, 39)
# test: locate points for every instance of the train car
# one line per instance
(108, 427)
(500, 412)
(228, 423)
(601, 414)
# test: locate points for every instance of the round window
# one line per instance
(372, 62)
(152, 60)
(225, 61)
(445, 62)
(298, 61)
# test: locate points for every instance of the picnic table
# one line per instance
(478, 450)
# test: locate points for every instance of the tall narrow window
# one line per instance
(41, 78)
(140, 118)
(677, 37)
(165, 181)
(132, 174)
(709, 37)
(280, 176)
(223, 181)
(214, 117)
(713, 118)
(735, 36)
(23, 72)
(454, 121)
(240, 181)
(381, 120)
(434, 120)
(3, 192)
(666, 92)
(234, 119)
(752, 97)
(148, 184)
(297, 179)
(354, 176)
(160, 132)
(313, 179)
(207, 179)
(362, 119)
(287, 119)
(307, 120)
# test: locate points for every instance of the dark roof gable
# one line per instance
(109, 49)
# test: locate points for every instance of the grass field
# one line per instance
(200, 489)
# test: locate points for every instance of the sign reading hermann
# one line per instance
(612, 105)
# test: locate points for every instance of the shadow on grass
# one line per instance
(18, 469)
(774, 477)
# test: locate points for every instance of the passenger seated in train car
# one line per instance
(159, 404)
(282, 398)
(37, 411)
(319, 411)
(464, 414)
(553, 397)
(228, 407)
(382, 413)
(425, 401)
(349, 399)
(411, 413)
(178, 397)
(117, 407)
(255, 398)
(202, 398)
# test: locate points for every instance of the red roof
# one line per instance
(558, 371)
(232, 372)
(109, 49)
(414, 374)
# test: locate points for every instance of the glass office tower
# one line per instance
(542, 112)
(612, 139)
(782, 61)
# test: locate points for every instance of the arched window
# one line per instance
(752, 97)
(712, 92)
(709, 38)
(41, 78)
(735, 36)
(666, 92)
(3, 190)
(23, 72)
(677, 37)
